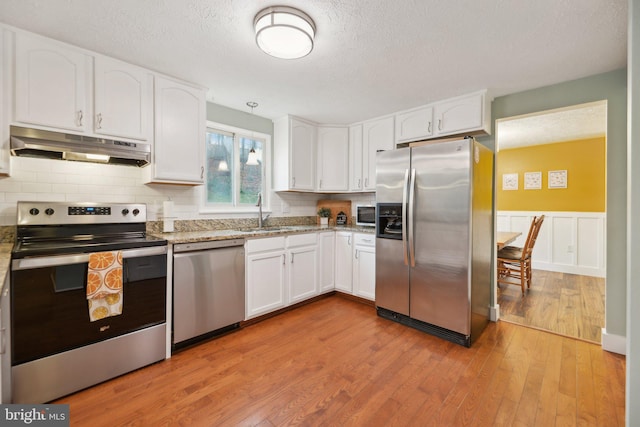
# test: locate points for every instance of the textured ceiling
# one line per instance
(567, 124)
(371, 57)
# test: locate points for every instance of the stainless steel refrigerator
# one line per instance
(434, 228)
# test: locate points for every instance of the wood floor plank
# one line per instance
(334, 362)
(567, 304)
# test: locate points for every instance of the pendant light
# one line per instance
(284, 32)
(252, 158)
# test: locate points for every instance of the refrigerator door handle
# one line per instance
(405, 191)
(412, 249)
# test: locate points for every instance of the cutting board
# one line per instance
(336, 206)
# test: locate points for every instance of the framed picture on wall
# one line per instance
(532, 180)
(510, 181)
(558, 179)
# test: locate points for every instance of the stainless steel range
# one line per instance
(56, 349)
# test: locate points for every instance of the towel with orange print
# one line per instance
(104, 284)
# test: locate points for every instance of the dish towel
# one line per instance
(104, 285)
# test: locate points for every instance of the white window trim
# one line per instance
(266, 197)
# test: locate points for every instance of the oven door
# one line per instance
(49, 305)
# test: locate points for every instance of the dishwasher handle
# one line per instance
(210, 244)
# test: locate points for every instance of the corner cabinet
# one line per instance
(180, 132)
(376, 135)
(294, 160)
(333, 159)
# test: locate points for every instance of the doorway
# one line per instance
(554, 163)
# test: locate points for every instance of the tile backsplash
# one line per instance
(66, 181)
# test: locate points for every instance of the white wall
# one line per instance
(569, 242)
(56, 180)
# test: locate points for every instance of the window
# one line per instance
(235, 168)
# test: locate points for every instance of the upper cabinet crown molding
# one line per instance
(464, 115)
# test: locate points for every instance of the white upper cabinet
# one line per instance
(51, 84)
(294, 162)
(180, 131)
(333, 159)
(355, 158)
(123, 99)
(414, 124)
(464, 115)
(376, 135)
(63, 88)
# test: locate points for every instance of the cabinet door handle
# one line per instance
(284, 259)
(293, 182)
(292, 254)
(99, 121)
(366, 182)
(79, 118)
(429, 129)
(357, 253)
(439, 124)
(359, 182)
(349, 241)
(320, 184)
(201, 172)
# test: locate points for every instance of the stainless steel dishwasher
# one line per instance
(208, 289)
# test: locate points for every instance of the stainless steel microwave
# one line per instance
(366, 215)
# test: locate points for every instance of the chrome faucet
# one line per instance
(259, 205)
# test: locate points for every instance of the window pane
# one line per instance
(220, 167)
(251, 164)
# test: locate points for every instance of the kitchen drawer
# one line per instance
(364, 239)
(306, 239)
(266, 244)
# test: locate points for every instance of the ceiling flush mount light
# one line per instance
(284, 32)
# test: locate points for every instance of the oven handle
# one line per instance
(53, 261)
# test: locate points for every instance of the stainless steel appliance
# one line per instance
(208, 289)
(433, 237)
(55, 348)
(366, 215)
(65, 146)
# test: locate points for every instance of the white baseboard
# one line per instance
(614, 343)
(494, 313)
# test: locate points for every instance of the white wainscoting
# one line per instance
(569, 242)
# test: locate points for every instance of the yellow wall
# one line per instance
(584, 161)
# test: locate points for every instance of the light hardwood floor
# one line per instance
(566, 304)
(335, 363)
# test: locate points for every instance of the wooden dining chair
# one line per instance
(514, 263)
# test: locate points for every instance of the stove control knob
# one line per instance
(49, 211)
(34, 211)
(136, 212)
(125, 211)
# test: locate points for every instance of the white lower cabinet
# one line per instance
(302, 257)
(327, 243)
(284, 270)
(265, 276)
(364, 266)
(344, 261)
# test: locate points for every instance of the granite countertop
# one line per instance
(251, 233)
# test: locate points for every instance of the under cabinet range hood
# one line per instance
(63, 146)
